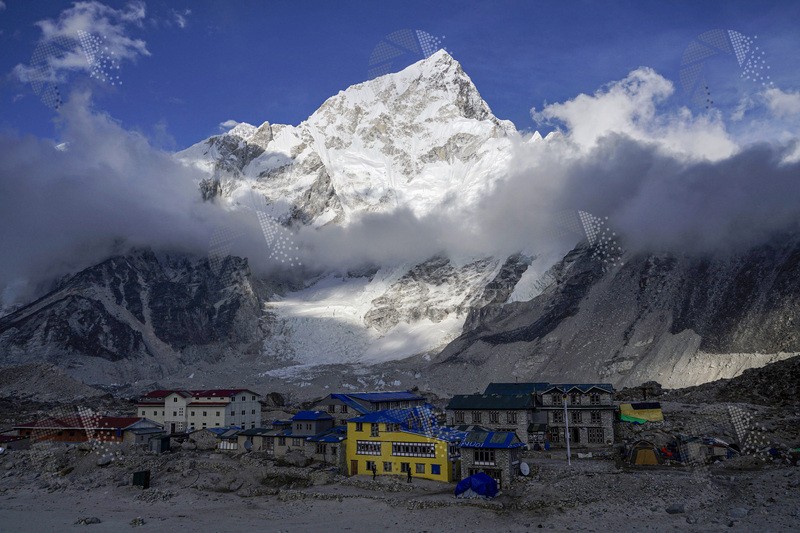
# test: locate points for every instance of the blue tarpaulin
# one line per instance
(481, 484)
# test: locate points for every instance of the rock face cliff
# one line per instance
(138, 315)
(678, 320)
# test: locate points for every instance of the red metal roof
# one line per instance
(217, 393)
(153, 397)
(163, 393)
(208, 404)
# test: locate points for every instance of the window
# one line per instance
(511, 417)
(252, 425)
(217, 413)
(321, 448)
(162, 413)
(558, 417)
(420, 468)
(242, 412)
(494, 417)
(459, 417)
(575, 398)
(298, 426)
(205, 413)
(359, 426)
(191, 413)
(392, 427)
(254, 398)
(297, 442)
(373, 430)
(233, 413)
(577, 417)
(554, 399)
(596, 418)
(436, 470)
(174, 413)
(253, 412)
(371, 465)
(555, 436)
(174, 398)
(331, 408)
(414, 449)
(387, 466)
(142, 413)
(155, 413)
(594, 399)
(233, 398)
(365, 447)
(204, 424)
(308, 426)
(343, 409)
(281, 441)
(476, 417)
(243, 398)
(484, 457)
(596, 436)
(405, 467)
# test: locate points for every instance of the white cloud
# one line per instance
(61, 51)
(783, 104)
(102, 189)
(228, 124)
(630, 107)
(181, 17)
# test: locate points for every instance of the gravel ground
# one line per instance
(62, 488)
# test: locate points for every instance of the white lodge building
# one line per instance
(188, 410)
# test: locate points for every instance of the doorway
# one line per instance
(353, 467)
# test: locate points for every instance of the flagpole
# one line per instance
(566, 430)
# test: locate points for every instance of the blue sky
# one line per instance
(210, 62)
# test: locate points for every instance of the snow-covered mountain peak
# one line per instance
(412, 139)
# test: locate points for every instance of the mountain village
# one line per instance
(497, 436)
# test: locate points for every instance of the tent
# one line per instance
(479, 484)
(644, 453)
(640, 413)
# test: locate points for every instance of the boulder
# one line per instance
(676, 508)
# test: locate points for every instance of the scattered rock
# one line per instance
(676, 508)
(87, 520)
(104, 460)
(138, 521)
(739, 512)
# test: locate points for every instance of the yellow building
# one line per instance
(398, 440)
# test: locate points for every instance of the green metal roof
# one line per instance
(491, 401)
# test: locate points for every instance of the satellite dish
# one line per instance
(524, 468)
(248, 445)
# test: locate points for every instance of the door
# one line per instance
(172, 428)
(575, 436)
(353, 467)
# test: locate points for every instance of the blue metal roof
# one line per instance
(312, 415)
(345, 399)
(386, 396)
(333, 435)
(492, 439)
(386, 416)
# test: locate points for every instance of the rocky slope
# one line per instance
(138, 315)
(676, 319)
